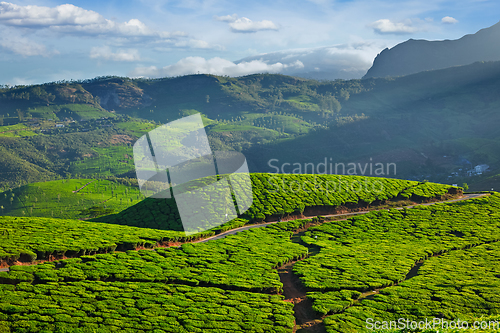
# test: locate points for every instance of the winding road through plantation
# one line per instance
(261, 225)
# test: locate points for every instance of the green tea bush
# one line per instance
(244, 261)
(139, 307)
(35, 238)
(288, 194)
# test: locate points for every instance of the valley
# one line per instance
(415, 122)
(358, 209)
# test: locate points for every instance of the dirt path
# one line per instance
(260, 225)
(81, 188)
(306, 319)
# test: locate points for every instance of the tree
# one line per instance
(465, 186)
(344, 94)
(20, 114)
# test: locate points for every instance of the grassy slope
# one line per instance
(58, 198)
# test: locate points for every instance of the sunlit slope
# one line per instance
(70, 198)
(284, 195)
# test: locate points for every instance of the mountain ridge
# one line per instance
(413, 56)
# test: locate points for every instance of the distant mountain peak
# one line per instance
(417, 55)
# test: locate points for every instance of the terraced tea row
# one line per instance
(288, 194)
(243, 262)
(378, 250)
(29, 239)
(138, 307)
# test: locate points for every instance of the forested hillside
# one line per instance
(436, 125)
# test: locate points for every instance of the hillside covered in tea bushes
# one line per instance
(284, 195)
(427, 261)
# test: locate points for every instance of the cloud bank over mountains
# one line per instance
(347, 61)
(385, 26)
(216, 66)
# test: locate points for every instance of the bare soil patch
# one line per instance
(306, 320)
(121, 139)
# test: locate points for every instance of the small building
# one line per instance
(59, 125)
(479, 169)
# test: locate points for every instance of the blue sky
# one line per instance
(45, 41)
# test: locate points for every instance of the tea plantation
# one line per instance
(456, 242)
(291, 195)
(37, 238)
(437, 261)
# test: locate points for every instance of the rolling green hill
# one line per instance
(284, 195)
(69, 198)
(434, 125)
(426, 262)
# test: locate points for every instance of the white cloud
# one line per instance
(227, 18)
(216, 66)
(24, 46)
(244, 24)
(71, 19)
(106, 53)
(449, 20)
(385, 26)
(346, 61)
(197, 44)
